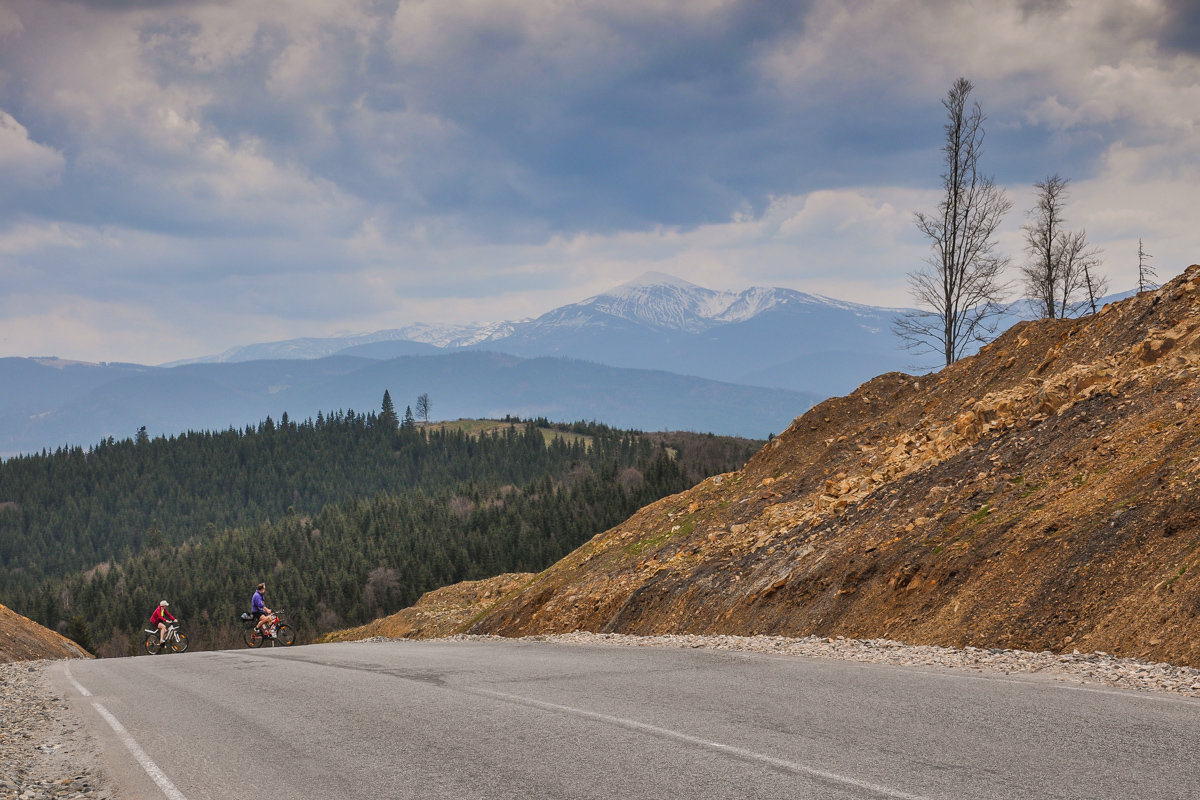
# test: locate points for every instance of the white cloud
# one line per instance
(1063, 65)
(25, 164)
(89, 330)
(854, 243)
(28, 237)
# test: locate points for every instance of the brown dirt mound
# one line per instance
(442, 612)
(1042, 494)
(22, 639)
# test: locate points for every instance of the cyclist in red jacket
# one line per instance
(160, 618)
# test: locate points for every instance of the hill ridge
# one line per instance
(1039, 495)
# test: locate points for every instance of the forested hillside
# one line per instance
(345, 517)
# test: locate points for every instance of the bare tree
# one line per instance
(959, 290)
(1060, 272)
(1041, 270)
(1081, 264)
(423, 408)
(382, 585)
(1146, 273)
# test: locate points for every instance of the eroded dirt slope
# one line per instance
(1040, 495)
(22, 639)
(442, 612)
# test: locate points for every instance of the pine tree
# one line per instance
(77, 631)
(387, 415)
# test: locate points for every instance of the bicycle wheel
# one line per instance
(253, 637)
(180, 644)
(284, 636)
(151, 644)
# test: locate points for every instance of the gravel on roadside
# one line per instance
(44, 754)
(1085, 668)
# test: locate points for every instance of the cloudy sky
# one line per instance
(177, 178)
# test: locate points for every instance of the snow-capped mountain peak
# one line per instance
(654, 301)
(667, 302)
(661, 301)
(654, 279)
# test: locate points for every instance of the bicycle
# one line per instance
(175, 640)
(278, 633)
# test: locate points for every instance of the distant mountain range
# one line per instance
(657, 353)
(768, 337)
(48, 403)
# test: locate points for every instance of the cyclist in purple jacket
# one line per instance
(263, 618)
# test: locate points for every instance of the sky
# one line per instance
(179, 177)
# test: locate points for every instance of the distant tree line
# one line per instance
(346, 517)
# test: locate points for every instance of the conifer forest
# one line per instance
(346, 518)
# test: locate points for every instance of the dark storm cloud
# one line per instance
(606, 120)
(646, 132)
(670, 123)
(1181, 31)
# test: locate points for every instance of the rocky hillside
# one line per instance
(442, 612)
(1039, 495)
(22, 639)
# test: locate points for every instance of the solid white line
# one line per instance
(71, 678)
(151, 768)
(747, 755)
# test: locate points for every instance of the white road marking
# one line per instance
(747, 755)
(75, 683)
(151, 768)
(156, 774)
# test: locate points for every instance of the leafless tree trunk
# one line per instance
(1146, 273)
(959, 290)
(423, 408)
(1060, 272)
(1042, 270)
(382, 583)
(1080, 276)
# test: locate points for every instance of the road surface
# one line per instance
(527, 719)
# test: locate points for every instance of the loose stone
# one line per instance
(43, 756)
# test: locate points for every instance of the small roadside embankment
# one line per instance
(1086, 668)
(44, 755)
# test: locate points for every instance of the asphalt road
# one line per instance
(525, 719)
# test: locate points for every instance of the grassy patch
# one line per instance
(478, 427)
(982, 514)
(1179, 574)
(570, 438)
(637, 548)
(1032, 488)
